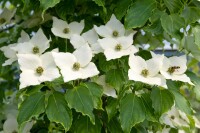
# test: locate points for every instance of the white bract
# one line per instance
(145, 71)
(78, 41)
(116, 48)
(159, 57)
(64, 30)
(107, 89)
(77, 65)
(174, 68)
(24, 37)
(10, 53)
(90, 37)
(36, 45)
(37, 69)
(113, 28)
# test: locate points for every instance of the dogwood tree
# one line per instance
(93, 66)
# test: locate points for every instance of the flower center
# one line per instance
(36, 50)
(66, 30)
(39, 70)
(118, 47)
(115, 33)
(76, 66)
(172, 69)
(172, 117)
(145, 73)
(2, 20)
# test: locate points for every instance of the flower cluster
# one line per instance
(34, 63)
(111, 39)
(156, 70)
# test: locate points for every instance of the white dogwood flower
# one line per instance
(116, 48)
(107, 89)
(173, 118)
(6, 16)
(88, 38)
(10, 53)
(113, 28)
(64, 30)
(37, 69)
(145, 71)
(174, 68)
(77, 65)
(36, 45)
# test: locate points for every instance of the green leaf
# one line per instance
(115, 78)
(196, 80)
(102, 4)
(80, 99)
(155, 27)
(145, 54)
(114, 126)
(31, 106)
(188, 42)
(2, 95)
(64, 8)
(131, 112)
(83, 125)
(111, 107)
(173, 5)
(172, 24)
(122, 7)
(55, 84)
(96, 92)
(33, 89)
(45, 4)
(180, 100)
(58, 111)
(30, 5)
(196, 32)
(150, 116)
(162, 100)
(139, 129)
(191, 14)
(105, 65)
(141, 8)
